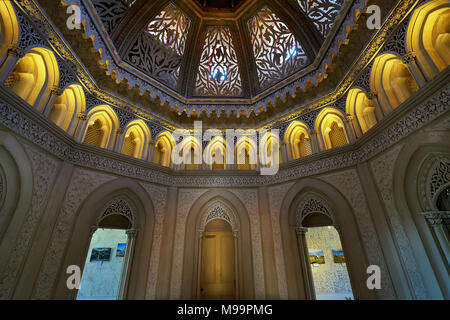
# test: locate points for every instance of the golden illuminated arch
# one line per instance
(428, 36)
(163, 149)
(216, 153)
(361, 109)
(101, 128)
(331, 126)
(9, 29)
(246, 154)
(136, 140)
(66, 107)
(191, 152)
(34, 77)
(268, 142)
(297, 139)
(392, 81)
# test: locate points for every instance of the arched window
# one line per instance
(216, 153)
(191, 152)
(392, 81)
(66, 107)
(362, 110)
(9, 29)
(34, 76)
(332, 128)
(298, 140)
(269, 150)
(428, 36)
(163, 149)
(101, 128)
(246, 154)
(137, 140)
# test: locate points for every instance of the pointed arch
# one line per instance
(330, 123)
(297, 139)
(137, 139)
(67, 106)
(392, 81)
(101, 127)
(428, 36)
(163, 149)
(269, 149)
(192, 246)
(34, 77)
(9, 29)
(88, 215)
(191, 152)
(246, 154)
(215, 153)
(362, 109)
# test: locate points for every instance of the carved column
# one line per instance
(319, 139)
(349, 128)
(201, 234)
(151, 152)
(314, 142)
(14, 54)
(80, 127)
(124, 278)
(236, 264)
(378, 110)
(55, 93)
(117, 141)
(385, 109)
(439, 222)
(410, 60)
(304, 261)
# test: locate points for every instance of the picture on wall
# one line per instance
(100, 254)
(338, 256)
(316, 257)
(121, 248)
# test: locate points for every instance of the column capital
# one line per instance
(437, 217)
(301, 230)
(56, 90)
(120, 131)
(82, 116)
(409, 57)
(131, 233)
(235, 234)
(16, 51)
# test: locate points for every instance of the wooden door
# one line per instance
(217, 279)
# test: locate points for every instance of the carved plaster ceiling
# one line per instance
(229, 65)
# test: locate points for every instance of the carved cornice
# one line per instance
(436, 218)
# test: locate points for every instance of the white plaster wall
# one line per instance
(331, 280)
(100, 280)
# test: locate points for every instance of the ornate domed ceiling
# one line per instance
(245, 63)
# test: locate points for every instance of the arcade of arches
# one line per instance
(88, 178)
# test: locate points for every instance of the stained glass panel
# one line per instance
(218, 73)
(171, 27)
(323, 13)
(277, 52)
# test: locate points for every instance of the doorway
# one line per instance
(218, 262)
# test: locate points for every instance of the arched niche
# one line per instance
(298, 284)
(17, 177)
(9, 29)
(67, 106)
(419, 177)
(269, 150)
(101, 127)
(137, 140)
(246, 154)
(240, 223)
(91, 215)
(163, 149)
(190, 150)
(297, 139)
(34, 77)
(331, 125)
(362, 109)
(215, 154)
(428, 36)
(391, 81)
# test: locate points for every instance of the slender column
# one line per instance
(14, 54)
(236, 263)
(122, 292)
(439, 221)
(55, 93)
(349, 128)
(151, 152)
(81, 127)
(199, 290)
(117, 144)
(304, 260)
(378, 110)
(314, 142)
(410, 60)
(376, 102)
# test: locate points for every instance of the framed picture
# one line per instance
(338, 256)
(121, 248)
(100, 254)
(316, 257)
